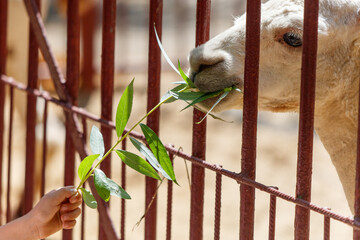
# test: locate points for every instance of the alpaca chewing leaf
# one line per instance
(186, 78)
(203, 97)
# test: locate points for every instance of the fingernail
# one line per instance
(73, 190)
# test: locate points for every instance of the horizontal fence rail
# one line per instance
(77, 118)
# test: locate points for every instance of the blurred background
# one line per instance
(277, 133)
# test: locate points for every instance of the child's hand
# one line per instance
(56, 210)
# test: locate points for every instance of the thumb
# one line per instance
(61, 194)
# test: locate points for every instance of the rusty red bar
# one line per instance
(82, 228)
(272, 217)
(154, 70)
(107, 81)
(88, 23)
(169, 209)
(326, 228)
(217, 206)
(11, 114)
(44, 149)
(3, 35)
(203, 10)
(33, 61)
(123, 201)
(72, 84)
(169, 204)
(250, 114)
(356, 233)
(306, 125)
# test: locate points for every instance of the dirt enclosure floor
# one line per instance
(276, 153)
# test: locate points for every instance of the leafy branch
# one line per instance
(157, 158)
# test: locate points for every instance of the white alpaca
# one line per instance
(219, 63)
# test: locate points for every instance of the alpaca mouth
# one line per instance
(222, 98)
(208, 83)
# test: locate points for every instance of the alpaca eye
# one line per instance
(292, 39)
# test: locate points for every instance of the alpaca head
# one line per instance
(219, 63)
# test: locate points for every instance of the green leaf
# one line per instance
(106, 187)
(237, 89)
(186, 78)
(97, 142)
(124, 109)
(203, 98)
(100, 185)
(164, 53)
(86, 165)
(219, 118)
(216, 103)
(159, 151)
(88, 198)
(180, 82)
(137, 163)
(149, 156)
(186, 96)
(168, 98)
(116, 190)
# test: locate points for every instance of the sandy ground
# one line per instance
(277, 143)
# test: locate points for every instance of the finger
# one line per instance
(71, 215)
(66, 207)
(61, 194)
(69, 224)
(76, 198)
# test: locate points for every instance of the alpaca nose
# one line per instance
(199, 61)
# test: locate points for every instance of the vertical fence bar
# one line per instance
(356, 233)
(272, 217)
(169, 204)
(306, 125)
(203, 10)
(107, 81)
(11, 113)
(44, 149)
(248, 151)
(33, 60)
(88, 23)
(83, 206)
(326, 228)
(72, 84)
(123, 201)
(3, 24)
(154, 69)
(217, 206)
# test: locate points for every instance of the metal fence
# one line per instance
(67, 92)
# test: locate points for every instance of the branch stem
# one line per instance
(123, 137)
